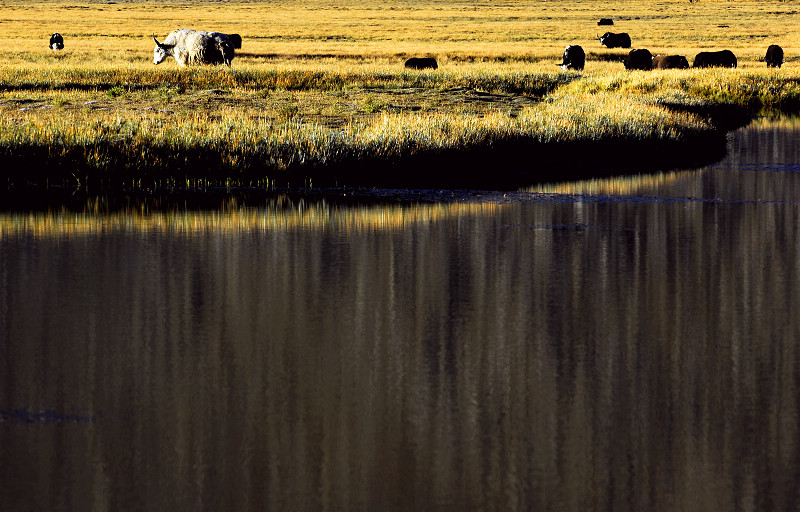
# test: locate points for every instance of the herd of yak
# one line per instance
(575, 57)
(188, 46)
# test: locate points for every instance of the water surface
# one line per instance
(620, 344)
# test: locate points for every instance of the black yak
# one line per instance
(422, 63)
(612, 40)
(720, 59)
(639, 59)
(56, 42)
(774, 56)
(574, 58)
(236, 40)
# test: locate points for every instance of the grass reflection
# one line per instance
(767, 142)
(316, 216)
(618, 185)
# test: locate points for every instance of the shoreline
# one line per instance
(409, 180)
(502, 164)
(488, 130)
(413, 148)
(497, 162)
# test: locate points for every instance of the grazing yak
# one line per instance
(194, 47)
(56, 42)
(236, 40)
(774, 56)
(612, 40)
(639, 59)
(605, 21)
(574, 58)
(670, 62)
(720, 59)
(421, 63)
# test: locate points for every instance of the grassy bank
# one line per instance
(338, 108)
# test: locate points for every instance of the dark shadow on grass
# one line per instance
(722, 116)
(447, 176)
(503, 165)
(516, 164)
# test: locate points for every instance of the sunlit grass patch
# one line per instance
(770, 89)
(603, 115)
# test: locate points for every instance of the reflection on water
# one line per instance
(564, 351)
(763, 164)
(314, 216)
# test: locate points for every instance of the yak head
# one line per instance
(161, 51)
(605, 37)
(226, 50)
(56, 41)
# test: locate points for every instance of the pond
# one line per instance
(619, 344)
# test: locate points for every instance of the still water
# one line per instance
(624, 344)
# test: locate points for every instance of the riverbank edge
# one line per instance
(500, 164)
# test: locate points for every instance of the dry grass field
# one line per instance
(317, 84)
(381, 33)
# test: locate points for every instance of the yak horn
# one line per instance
(162, 45)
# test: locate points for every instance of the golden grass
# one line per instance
(321, 83)
(384, 30)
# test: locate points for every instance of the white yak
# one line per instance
(194, 47)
